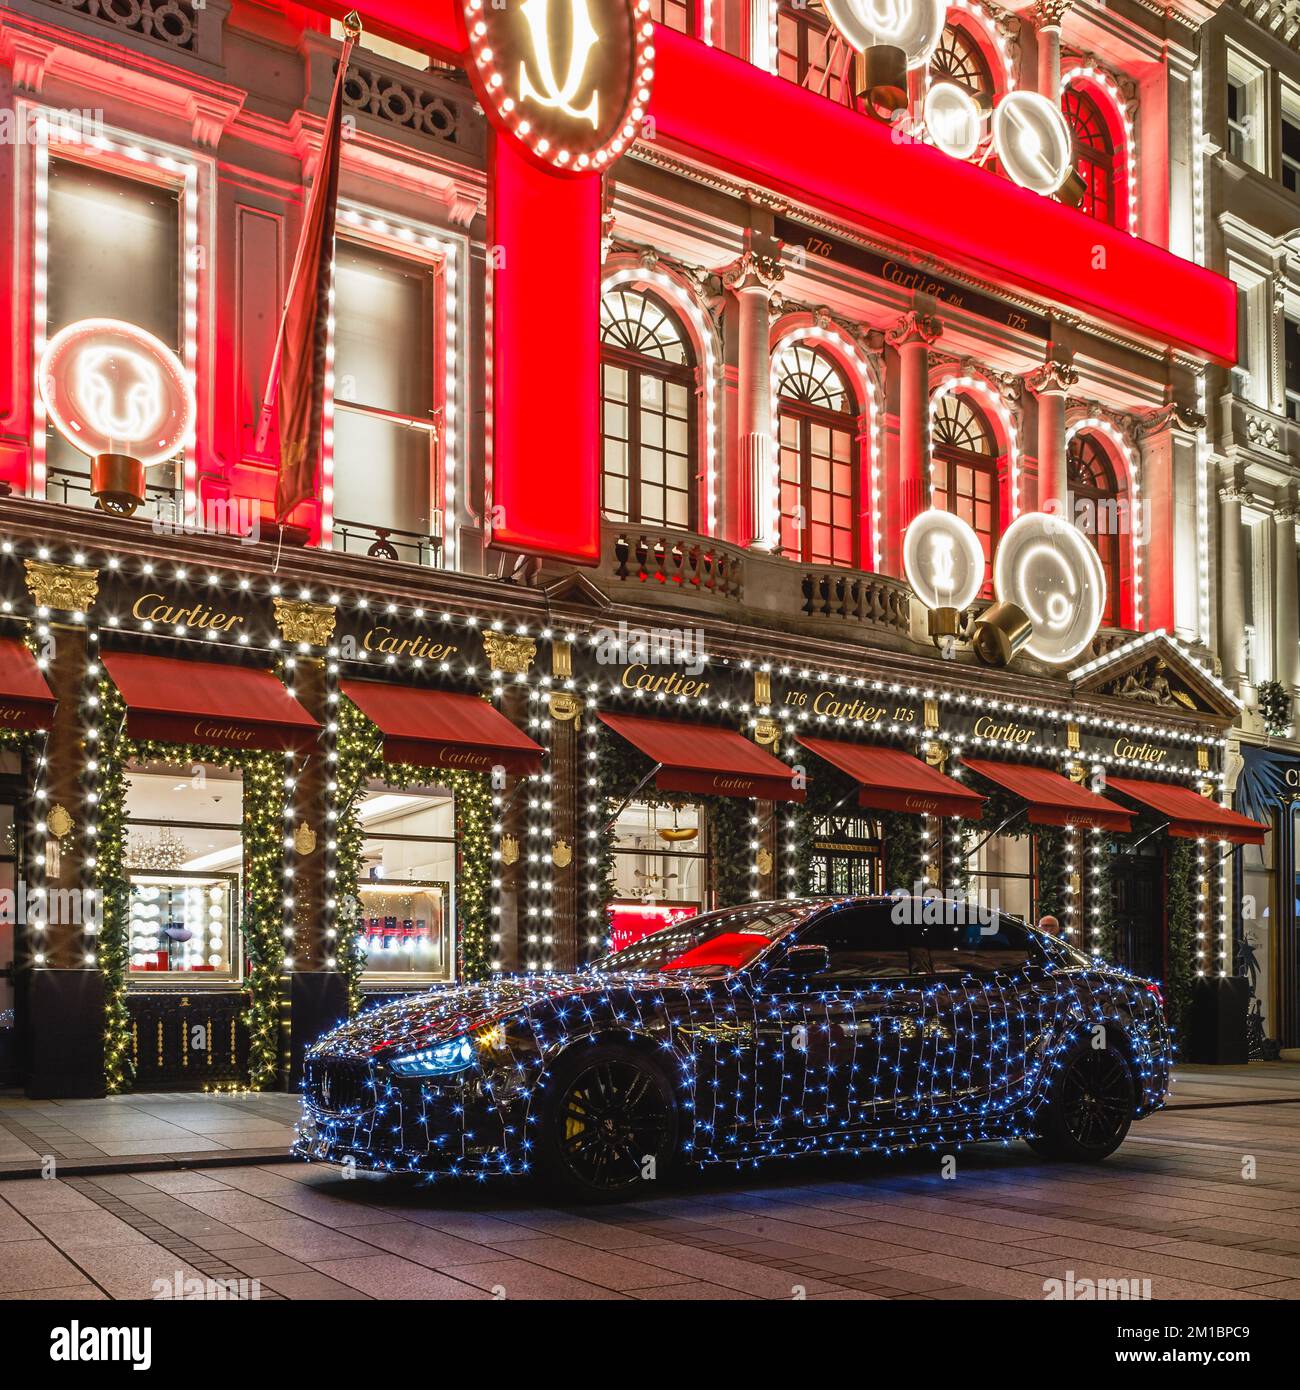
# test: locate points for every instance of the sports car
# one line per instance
(829, 1026)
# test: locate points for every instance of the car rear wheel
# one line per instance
(1090, 1108)
(609, 1126)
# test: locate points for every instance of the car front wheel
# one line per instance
(1090, 1107)
(609, 1125)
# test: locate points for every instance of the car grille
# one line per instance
(340, 1086)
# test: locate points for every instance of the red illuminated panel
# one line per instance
(819, 151)
(629, 922)
(544, 467)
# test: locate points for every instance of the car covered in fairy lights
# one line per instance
(811, 1026)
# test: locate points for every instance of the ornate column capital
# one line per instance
(1286, 513)
(1050, 13)
(1234, 492)
(69, 588)
(300, 621)
(914, 327)
(1052, 378)
(753, 271)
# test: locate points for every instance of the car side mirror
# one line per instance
(806, 960)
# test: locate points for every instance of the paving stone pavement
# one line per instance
(1176, 1205)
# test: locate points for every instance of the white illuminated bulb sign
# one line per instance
(1033, 141)
(943, 560)
(915, 26)
(556, 92)
(953, 119)
(1051, 570)
(112, 388)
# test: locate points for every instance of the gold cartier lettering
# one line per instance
(1139, 752)
(226, 733)
(154, 608)
(744, 785)
(9, 715)
(639, 677)
(828, 703)
(385, 641)
(985, 727)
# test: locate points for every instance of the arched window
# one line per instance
(647, 390)
(817, 426)
(674, 14)
(1092, 479)
(1095, 152)
(964, 455)
(958, 58)
(811, 53)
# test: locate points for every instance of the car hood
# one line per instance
(423, 1020)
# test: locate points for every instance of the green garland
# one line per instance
(1181, 914)
(359, 744)
(1108, 931)
(1049, 847)
(262, 915)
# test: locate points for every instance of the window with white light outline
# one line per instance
(681, 15)
(407, 884)
(1092, 479)
(114, 251)
(817, 429)
(1094, 147)
(964, 465)
(959, 58)
(661, 854)
(649, 438)
(185, 867)
(387, 461)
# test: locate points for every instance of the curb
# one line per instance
(14, 1169)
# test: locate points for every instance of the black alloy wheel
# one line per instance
(612, 1125)
(1090, 1109)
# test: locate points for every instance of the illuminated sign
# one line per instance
(954, 120)
(112, 388)
(943, 560)
(570, 79)
(1033, 141)
(912, 25)
(1051, 570)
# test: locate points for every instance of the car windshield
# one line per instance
(726, 940)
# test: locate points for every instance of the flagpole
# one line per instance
(351, 32)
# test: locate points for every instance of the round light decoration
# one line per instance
(121, 396)
(1033, 141)
(954, 120)
(943, 560)
(1050, 569)
(570, 79)
(915, 26)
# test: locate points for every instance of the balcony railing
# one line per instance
(161, 502)
(387, 543)
(186, 28)
(659, 565)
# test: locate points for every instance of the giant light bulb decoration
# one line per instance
(944, 563)
(120, 396)
(1051, 570)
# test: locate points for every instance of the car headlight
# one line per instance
(455, 1055)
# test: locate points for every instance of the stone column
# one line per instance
(1172, 567)
(911, 338)
(1051, 384)
(1286, 609)
(1050, 14)
(1232, 606)
(752, 278)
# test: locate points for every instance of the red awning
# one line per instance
(703, 758)
(208, 702)
(1053, 799)
(443, 728)
(1190, 815)
(25, 699)
(890, 780)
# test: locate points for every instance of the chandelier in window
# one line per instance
(166, 852)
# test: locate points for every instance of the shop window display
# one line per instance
(660, 869)
(407, 883)
(184, 860)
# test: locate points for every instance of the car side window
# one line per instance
(865, 944)
(993, 946)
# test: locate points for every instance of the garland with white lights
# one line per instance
(358, 748)
(263, 907)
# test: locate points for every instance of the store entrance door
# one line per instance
(847, 856)
(1138, 907)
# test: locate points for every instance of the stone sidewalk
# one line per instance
(1202, 1200)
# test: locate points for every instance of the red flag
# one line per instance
(298, 367)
